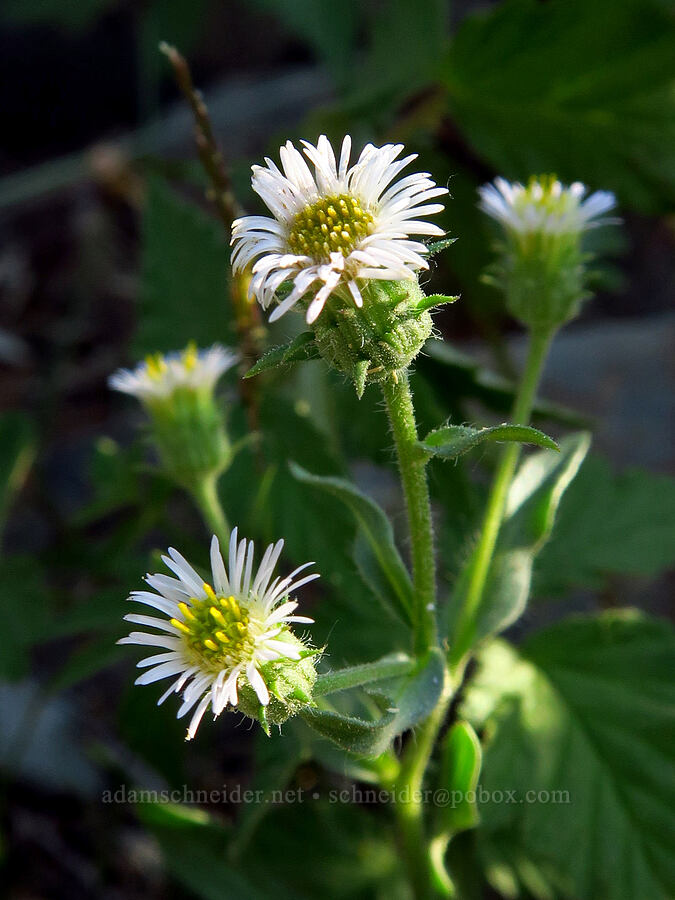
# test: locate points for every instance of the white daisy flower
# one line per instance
(336, 227)
(218, 637)
(545, 206)
(160, 375)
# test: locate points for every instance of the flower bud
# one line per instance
(187, 424)
(542, 266)
(383, 336)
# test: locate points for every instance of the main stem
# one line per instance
(494, 513)
(205, 493)
(412, 466)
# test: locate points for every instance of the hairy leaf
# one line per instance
(452, 441)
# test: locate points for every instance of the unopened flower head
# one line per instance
(542, 264)
(227, 641)
(187, 424)
(545, 205)
(336, 228)
(160, 375)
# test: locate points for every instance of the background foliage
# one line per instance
(586, 90)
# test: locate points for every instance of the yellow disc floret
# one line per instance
(331, 224)
(218, 631)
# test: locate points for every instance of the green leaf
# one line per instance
(392, 666)
(18, 445)
(452, 441)
(437, 246)
(609, 524)
(429, 301)
(532, 503)
(582, 89)
(301, 348)
(377, 531)
(582, 716)
(461, 758)
(412, 702)
(184, 287)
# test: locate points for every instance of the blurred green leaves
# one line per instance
(581, 716)
(184, 294)
(609, 524)
(532, 504)
(18, 447)
(581, 89)
(378, 559)
(411, 700)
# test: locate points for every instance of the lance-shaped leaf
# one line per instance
(452, 441)
(579, 725)
(301, 348)
(532, 503)
(429, 301)
(377, 551)
(437, 246)
(410, 701)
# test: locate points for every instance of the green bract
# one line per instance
(371, 343)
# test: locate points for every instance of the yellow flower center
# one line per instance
(216, 630)
(331, 224)
(155, 366)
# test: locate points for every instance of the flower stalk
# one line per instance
(539, 344)
(412, 467)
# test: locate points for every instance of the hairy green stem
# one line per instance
(494, 513)
(409, 797)
(205, 493)
(412, 466)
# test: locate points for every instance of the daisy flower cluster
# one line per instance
(335, 227)
(545, 205)
(159, 376)
(219, 640)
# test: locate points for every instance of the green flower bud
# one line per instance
(186, 422)
(542, 266)
(372, 342)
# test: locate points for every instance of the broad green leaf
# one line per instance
(581, 89)
(301, 348)
(609, 524)
(413, 701)
(392, 666)
(532, 503)
(581, 717)
(17, 452)
(460, 766)
(184, 285)
(377, 531)
(452, 441)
